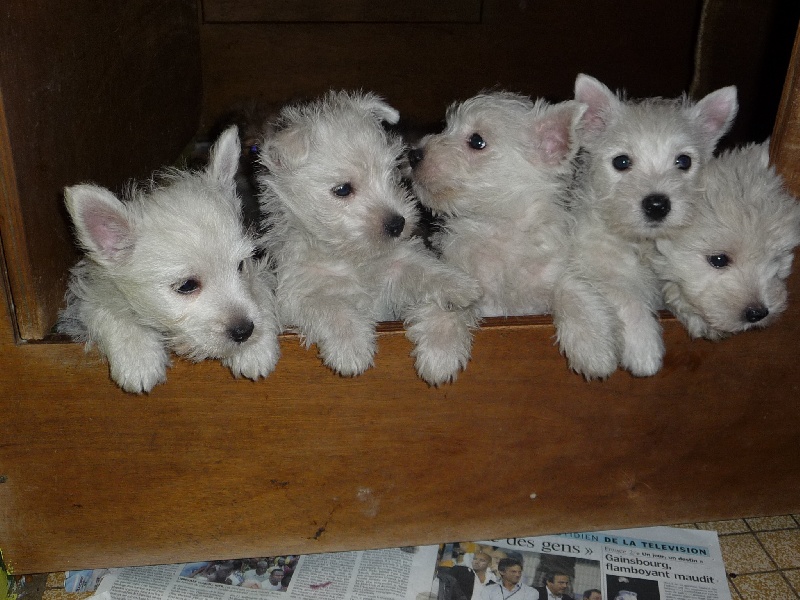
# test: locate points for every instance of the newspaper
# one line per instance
(390, 574)
(656, 563)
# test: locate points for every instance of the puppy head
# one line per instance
(332, 173)
(495, 146)
(646, 157)
(731, 263)
(177, 254)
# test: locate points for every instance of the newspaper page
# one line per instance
(390, 574)
(655, 563)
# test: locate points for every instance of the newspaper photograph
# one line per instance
(657, 563)
(390, 574)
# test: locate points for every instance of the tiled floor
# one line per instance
(762, 558)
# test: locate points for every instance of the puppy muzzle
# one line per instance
(394, 225)
(656, 207)
(755, 313)
(241, 331)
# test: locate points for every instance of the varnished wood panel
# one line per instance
(353, 11)
(531, 47)
(210, 467)
(785, 141)
(90, 91)
(746, 43)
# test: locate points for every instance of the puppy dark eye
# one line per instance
(187, 287)
(621, 162)
(683, 162)
(476, 142)
(343, 190)
(253, 150)
(718, 261)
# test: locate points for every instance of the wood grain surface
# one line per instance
(91, 91)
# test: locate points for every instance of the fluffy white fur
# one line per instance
(498, 175)
(640, 180)
(339, 230)
(170, 268)
(726, 271)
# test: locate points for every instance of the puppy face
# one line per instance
(178, 255)
(730, 264)
(647, 157)
(494, 145)
(333, 170)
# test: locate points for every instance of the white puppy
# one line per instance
(339, 229)
(726, 271)
(171, 268)
(497, 174)
(640, 181)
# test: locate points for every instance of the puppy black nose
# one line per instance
(415, 156)
(656, 207)
(394, 225)
(241, 331)
(755, 313)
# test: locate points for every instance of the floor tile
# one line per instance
(743, 554)
(685, 526)
(55, 580)
(763, 586)
(725, 527)
(782, 546)
(794, 579)
(734, 592)
(771, 523)
(61, 594)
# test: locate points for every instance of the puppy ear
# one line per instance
(378, 108)
(102, 223)
(554, 133)
(715, 113)
(224, 160)
(599, 101)
(285, 149)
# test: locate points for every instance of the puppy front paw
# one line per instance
(140, 372)
(348, 357)
(255, 360)
(588, 334)
(596, 362)
(442, 343)
(643, 354)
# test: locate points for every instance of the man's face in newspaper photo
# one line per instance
(480, 562)
(512, 574)
(276, 576)
(559, 585)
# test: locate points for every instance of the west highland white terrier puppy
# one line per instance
(339, 230)
(497, 175)
(171, 268)
(640, 180)
(725, 272)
